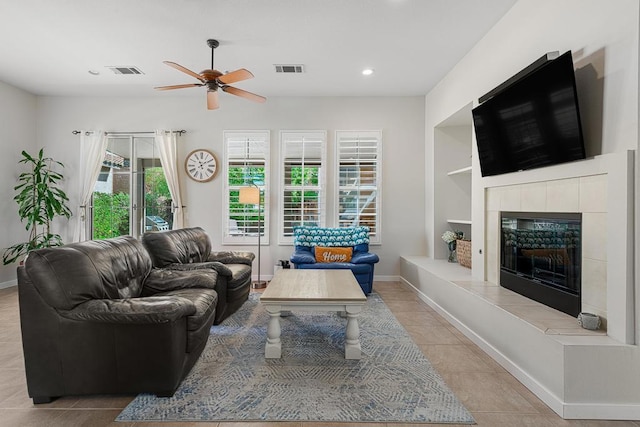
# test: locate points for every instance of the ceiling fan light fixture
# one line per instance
(367, 71)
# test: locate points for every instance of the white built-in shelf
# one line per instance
(459, 171)
(459, 221)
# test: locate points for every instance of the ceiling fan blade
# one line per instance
(244, 94)
(212, 100)
(178, 86)
(235, 76)
(184, 70)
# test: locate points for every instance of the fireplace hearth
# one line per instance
(540, 257)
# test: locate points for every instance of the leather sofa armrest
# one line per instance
(143, 310)
(166, 279)
(364, 258)
(232, 257)
(302, 257)
(218, 267)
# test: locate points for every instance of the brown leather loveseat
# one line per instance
(190, 249)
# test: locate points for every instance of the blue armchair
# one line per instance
(307, 239)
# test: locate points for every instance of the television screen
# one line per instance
(534, 122)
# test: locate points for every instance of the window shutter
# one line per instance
(359, 166)
(247, 162)
(302, 179)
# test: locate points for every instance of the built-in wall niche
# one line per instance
(452, 177)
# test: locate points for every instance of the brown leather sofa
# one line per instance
(96, 318)
(190, 249)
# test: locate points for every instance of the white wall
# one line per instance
(603, 36)
(400, 118)
(18, 132)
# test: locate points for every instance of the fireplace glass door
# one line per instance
(541, 254)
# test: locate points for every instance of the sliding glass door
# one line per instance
(131, 195)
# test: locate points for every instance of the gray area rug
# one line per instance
(232, 381)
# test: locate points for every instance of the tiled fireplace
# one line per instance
(584, 196)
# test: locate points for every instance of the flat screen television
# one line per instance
(533, 122)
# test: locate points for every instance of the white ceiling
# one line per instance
(48, 46)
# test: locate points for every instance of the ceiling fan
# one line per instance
(214, 80)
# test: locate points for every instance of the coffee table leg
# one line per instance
(352, 341)
(273, 348)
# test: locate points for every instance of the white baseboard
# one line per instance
(593, 411)
(377, 278)
(10, 283)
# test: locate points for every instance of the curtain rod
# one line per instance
(179, 132)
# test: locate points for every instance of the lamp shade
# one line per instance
(249, 196)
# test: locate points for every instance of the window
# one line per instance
(359, 155)
(246, 156)
(131, 195)
(302, 181)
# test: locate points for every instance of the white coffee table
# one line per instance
(313, 290)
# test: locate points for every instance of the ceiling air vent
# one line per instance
(289, 68)
(125, 70)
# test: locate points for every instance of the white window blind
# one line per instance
(359, 158)
(246, 158)
(302, 181)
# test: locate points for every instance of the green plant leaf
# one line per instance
(39, 200)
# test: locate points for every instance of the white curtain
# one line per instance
(166, 141)
(93, 145)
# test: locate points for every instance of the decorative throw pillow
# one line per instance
(333, 254)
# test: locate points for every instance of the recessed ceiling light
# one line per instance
(94, 72)
(367, 71)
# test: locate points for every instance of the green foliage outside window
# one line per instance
(240, 176)
(110, 215)
(304, 176)
(156, 194)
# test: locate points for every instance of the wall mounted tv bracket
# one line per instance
(549, 56)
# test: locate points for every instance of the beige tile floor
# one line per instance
(493, 396)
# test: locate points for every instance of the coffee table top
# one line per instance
(313, 285)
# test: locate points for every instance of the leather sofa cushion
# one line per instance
(96, 269)
(183, 246)
(161, 280)
(146, 310)
(232, 257)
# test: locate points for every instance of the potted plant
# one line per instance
(40, 200)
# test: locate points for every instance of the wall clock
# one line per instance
(201, 165)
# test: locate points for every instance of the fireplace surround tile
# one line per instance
(593, 193)
(493, 199)
(511, 199)
(562, 195)
(534, 197)
(594, 243)
(594, 289)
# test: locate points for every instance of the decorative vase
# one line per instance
(452, 252)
